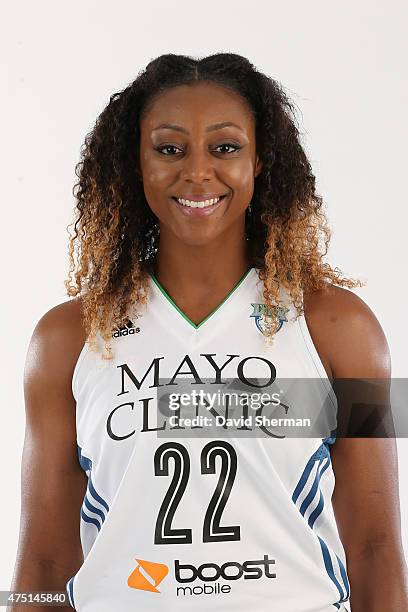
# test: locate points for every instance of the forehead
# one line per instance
(204, 102)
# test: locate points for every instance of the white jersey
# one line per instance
(178, 515)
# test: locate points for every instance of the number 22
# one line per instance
(212, 530)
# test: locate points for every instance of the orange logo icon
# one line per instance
(147, 575)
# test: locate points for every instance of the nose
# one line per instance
(197, 166)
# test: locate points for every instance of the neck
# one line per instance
(188, 268)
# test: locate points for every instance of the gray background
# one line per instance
(343, 63)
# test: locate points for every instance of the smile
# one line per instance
(198, 203)
(199, 207)
(201, 204)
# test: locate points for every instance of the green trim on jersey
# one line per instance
(166, 295)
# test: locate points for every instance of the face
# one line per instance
(198, 143)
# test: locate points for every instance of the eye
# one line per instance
(162, 147)
(227, 144)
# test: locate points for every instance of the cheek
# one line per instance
(242, 172)
(155, 183)
(154, 176)
(242, 180)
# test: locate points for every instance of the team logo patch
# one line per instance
(263, 318)
(153, 574)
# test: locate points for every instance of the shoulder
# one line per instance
(53, 481)
(347, 334)
(56, 341)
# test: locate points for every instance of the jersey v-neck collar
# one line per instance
(170, 304)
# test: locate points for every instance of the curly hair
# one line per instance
(117, 234)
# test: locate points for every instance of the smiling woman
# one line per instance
(201, 241)
(195, 158)
(193, 129)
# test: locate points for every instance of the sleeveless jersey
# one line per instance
(236, 518)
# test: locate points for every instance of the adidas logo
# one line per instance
(125, 330)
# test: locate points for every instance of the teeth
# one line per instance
(193, 204)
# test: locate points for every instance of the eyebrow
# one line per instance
(210, 128)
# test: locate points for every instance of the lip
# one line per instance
(200, 212)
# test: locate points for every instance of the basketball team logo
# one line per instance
(149, 578)
(263, 317)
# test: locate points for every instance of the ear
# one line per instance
(258, 166)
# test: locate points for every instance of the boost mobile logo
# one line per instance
(149, 578)
(148, 575)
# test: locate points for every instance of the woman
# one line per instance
(200, 240)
